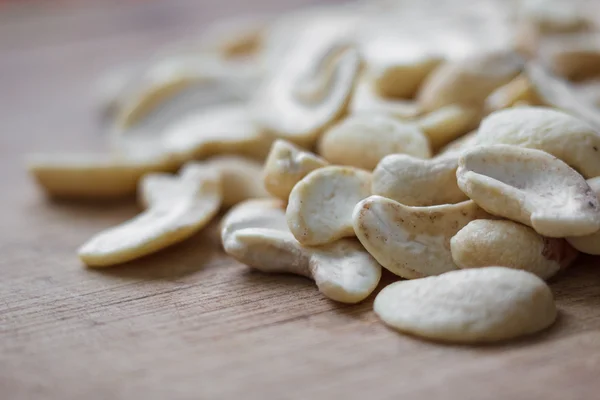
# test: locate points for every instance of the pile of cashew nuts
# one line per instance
(456, 147)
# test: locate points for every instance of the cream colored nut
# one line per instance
(362, 140)
(411, 242)
(176, 212)
(460, 144)
(509, 244)
(531, 187)
(235, 36)
(469, 306)
(518, 91)
(310, 90)
(366, 101)
(575, 57)
(467, 82)
(589, 244)
(400, 78)
(91, 176)
(223, 129)
(416, 182)
(256, 234)
(555, 132)
(285, 166)
(448, 123)
(320, 206)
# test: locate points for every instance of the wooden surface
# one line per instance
(189, 323)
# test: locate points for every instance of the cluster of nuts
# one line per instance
(464, 159)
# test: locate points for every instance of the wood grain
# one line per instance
(189, 323)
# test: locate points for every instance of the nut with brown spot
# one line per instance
(589, 244)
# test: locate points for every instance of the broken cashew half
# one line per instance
(531, 187)
(519, 91)
(286, 164)
(320, 206)
(469, 306)
(448, 123)
(589, 244)
(509, 244)
(366, 101)
(255, 233)
(179, 208)
(411, 242)
(363, 140)
(416, 182)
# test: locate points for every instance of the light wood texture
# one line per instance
(189, 323)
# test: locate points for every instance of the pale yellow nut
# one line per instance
(222, 129)
(509, 244)
(468, 306)
(411, 242)
(560, 134)
(448, 123)
(458, 145)
(589, 244)
(416, 182)
(575, 57)
(400, 78)
(255, 233)
(531, 187)
(286, 164)
(362, 140)
(320, 206)
(177, 211)
(366, 101)
(91, 176)
(467, 82)
(518, 91)
(310, 90)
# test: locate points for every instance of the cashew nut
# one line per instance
(285, 166)
(416, 182)
(177, 211)
(519, 91)
(235, 36)
(447, 123)
(575, 57)
(362, 140)
(589, 244)
(411, 242)
(320, 205)
(458, 145)
(555, 132)
(509, 244)
(255, 234)
(531, 187)
(469, 306)
(366, 101)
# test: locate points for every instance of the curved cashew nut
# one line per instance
(177, 211)
(575, 57)
(589, 244)
(469, 306)
(555, 132)
(366, 101)
(320, 206)
(363, 140)
(458, 145)
(286, 164)
(255, 234)
(519, 91)
(531, 187)
(447, 123)
(509, 244)
(411, 242)
(416, 182)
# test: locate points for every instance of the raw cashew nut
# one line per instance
(411, 242)
(531, 187)
(91, 176)
(469, 306)
(320, 205)
(458, 145)
(509, 244)
(255, 233)
(235, 36)
(447, 123)
(285, 166)
(177, 211)
(416, 182)
(555, 132)
(366, 101)
(467, 82)
(363, 140)
(519, 91)
(589, 244)
(575, 57)
(223, 129)
(310, 90)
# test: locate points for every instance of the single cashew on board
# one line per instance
(468, 306)
(176, 212)
(531, 187)
(509, 244)
(255, 233)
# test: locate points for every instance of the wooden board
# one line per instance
(189, 323)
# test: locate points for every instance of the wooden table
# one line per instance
(189, 323)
